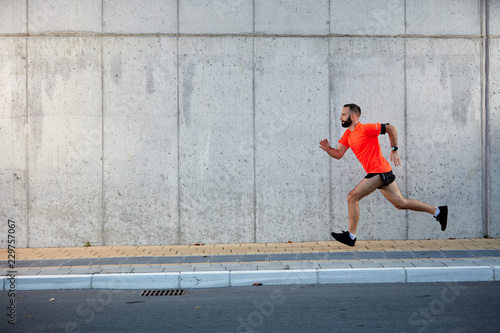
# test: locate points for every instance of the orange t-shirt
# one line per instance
(364, 144)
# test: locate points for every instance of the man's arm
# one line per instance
(393, 134)
(393, 137)
(336, 153)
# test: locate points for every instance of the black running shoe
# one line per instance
(443, 217)
(344, 238)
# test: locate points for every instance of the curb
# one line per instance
(223, 279)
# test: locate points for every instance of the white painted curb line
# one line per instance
(222, 279)
(450, 274)
(362, 275)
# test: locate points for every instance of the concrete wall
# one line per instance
(134, 122)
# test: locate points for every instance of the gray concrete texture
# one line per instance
(190, 121)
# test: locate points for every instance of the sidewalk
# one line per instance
(226, 265)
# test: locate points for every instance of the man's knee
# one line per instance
(400, 204)
(352, 197)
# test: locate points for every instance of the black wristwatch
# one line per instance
(395, 148)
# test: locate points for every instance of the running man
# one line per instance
(363, 140)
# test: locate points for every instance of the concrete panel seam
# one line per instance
(26, 142)
(485, 118)
(179, 214)
(253, 16)
(27, 15)
(103, 207)
(407, 215)
(329, 18)
(102, 15)
(254, 140)
(406, 23)
(330, 162)
(242, 35)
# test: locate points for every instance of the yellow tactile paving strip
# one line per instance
(247, 248)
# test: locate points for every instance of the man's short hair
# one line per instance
(353, 108)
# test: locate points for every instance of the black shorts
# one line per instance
(387, 177)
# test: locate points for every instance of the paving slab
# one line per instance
(208, 266)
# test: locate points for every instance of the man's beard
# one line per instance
(347, 123)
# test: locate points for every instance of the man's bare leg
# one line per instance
(365, 187)
(393, 194)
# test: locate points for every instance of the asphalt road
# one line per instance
(429, 307)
